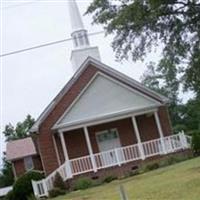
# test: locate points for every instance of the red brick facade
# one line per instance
(19, 166)
(75, 140)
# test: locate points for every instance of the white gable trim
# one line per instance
(103, 67)
(57, 125)
(98, 121)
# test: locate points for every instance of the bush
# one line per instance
(22, 188)
(32, 197)
(196, 143)
(10, 196)
(58, 182)
(109, 179)
(82, 184)
(151, 166)
(56, 192)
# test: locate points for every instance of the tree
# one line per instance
(21, 130)
(191, 114)
(11, 133)
(6, 174)
(141, 25)
(164, 81)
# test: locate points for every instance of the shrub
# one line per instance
(196, 143)
(32, 197)
(58, 182)
(82, 184)
(151, 166)
(56, 192)
(23, 186)
(10, 196)
(109, 179)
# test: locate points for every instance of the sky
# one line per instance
(30, 80)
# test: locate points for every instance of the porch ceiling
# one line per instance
(104, 97)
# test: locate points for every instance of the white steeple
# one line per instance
(79, 34)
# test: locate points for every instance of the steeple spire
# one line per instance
(76, 21)
(79, 34)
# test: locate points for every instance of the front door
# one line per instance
(107, 141)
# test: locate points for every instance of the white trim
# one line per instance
(56, 150)
(89, 146)
(68, 166)
(102, 67)
(106, 130)
(115, 117)
(57, 125)
(160, 131)
(137, 133)
(64, 148)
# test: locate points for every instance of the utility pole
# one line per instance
(123, 194)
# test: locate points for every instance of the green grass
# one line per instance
(176, 182)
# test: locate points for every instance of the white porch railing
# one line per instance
(111, 158)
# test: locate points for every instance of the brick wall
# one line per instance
(47, 150)
(20, 167)
(165, 121)
(76, 143)
(37, 163)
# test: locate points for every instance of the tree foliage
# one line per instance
(184, 116)
(140, 26)
(6, 174)
(20, 131)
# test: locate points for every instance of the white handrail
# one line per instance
(111, 158)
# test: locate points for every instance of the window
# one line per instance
(28, 162)
(75, 41)
(81, 39)
(107, 135)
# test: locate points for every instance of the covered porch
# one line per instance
(101, 144)
(87, 155)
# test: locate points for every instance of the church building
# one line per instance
(101, 123)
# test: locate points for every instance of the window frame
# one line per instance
(28, 161)
(106, 131)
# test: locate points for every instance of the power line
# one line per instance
(34, 1)
(44, 45)
(20, 4)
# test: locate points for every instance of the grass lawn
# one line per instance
(176, 182)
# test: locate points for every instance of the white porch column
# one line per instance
(89, 146)
(138, 138)
(160, 131)
(56, 150)
(68, 166)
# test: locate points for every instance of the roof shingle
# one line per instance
(20, 148)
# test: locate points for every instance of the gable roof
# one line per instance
(104, 68)
(104, 97)
(20, 148)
